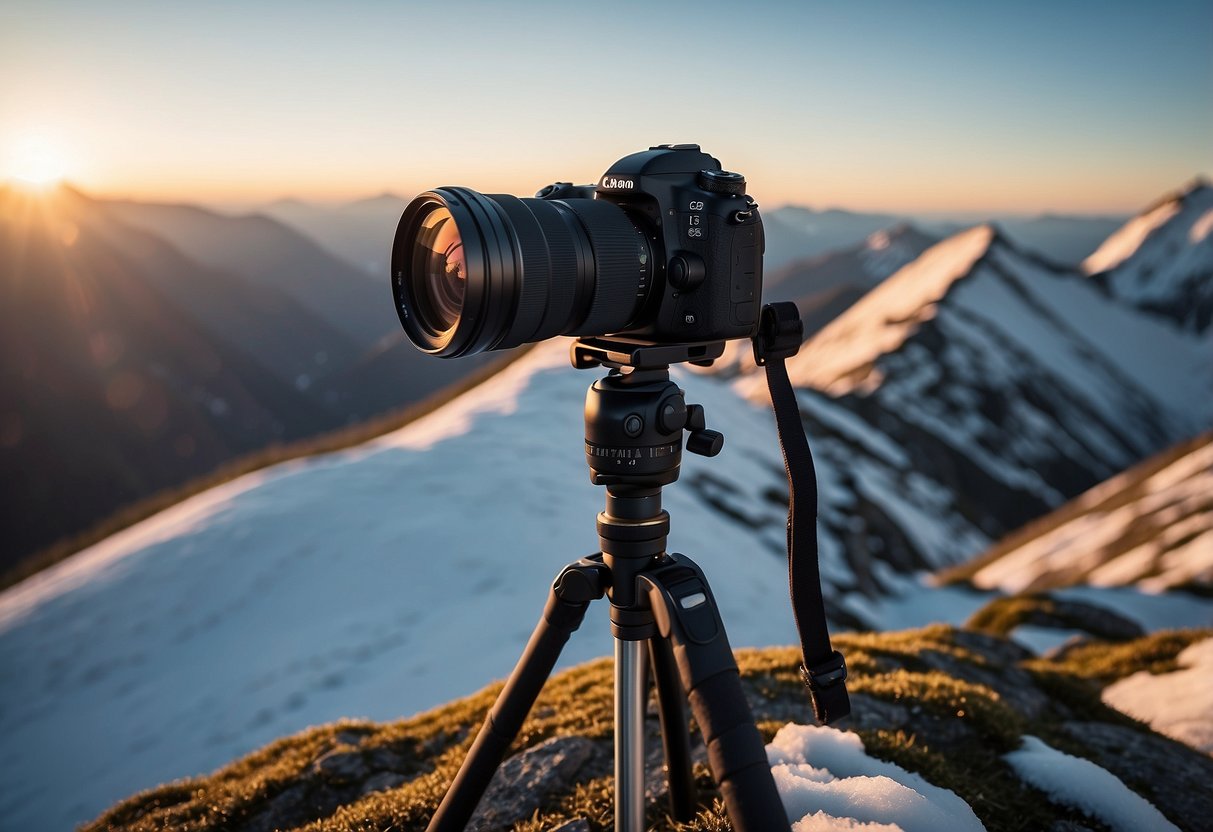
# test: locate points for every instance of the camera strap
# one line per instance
(823, 670)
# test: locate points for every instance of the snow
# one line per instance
(918, 603)
(1171, 503)
(1178, 704)
(1081, 784)
(828, 782)
(1162, 260)
(883, 319)
(1124, 243)
(1044, 640)
(1152, 610)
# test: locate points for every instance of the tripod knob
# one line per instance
(705, 442)
(672, 416)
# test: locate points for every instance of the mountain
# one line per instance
(272, 255)
(795, 232)
(1062, 238)
(1030, 376)
(399, 574)
(825, 286)
(290, 340)
(1162, 260)
(360, 232)
(977, 388)
(1151, 526)
(111, 391)
(253, 315)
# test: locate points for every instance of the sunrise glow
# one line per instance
(37, 160)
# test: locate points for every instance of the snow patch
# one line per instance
(1177, 704)
(1094, 791)
(828, 782)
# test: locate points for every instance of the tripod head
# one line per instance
(635, 415)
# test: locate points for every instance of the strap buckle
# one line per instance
(780, 333)
(827, 688)
(829, 673)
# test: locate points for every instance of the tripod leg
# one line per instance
(676, 742)
(686, 613)
(629, 735)
(568, 600)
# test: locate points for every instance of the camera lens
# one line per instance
(474, 272)
(441, 270)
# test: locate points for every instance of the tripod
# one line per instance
(661, 605)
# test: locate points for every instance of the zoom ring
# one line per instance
(622, 262)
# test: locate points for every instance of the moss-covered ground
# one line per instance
(944, 702)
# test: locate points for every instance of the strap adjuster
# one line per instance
(780, 332)
(826, 675)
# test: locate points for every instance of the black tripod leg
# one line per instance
(676, 742)
(686, 613)
(570, 597)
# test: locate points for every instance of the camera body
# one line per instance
(705, 240)
(666, 249)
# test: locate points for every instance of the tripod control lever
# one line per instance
(705, 442)
(701, 441)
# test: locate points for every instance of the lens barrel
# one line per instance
(474, 272)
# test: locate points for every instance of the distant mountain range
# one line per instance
(979, 387)
(796, 232)
(146, 344)
(361, 231)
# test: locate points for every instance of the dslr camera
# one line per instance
(665, 249)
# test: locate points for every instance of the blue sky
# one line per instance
(901, 106)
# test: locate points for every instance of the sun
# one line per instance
(36, 160)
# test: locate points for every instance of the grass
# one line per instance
(952, 730)
(325, 443)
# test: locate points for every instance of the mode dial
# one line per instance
(722, 182)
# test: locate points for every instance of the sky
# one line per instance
(911, 107)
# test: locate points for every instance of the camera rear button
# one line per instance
(633, 425)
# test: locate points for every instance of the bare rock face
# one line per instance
(523, 781)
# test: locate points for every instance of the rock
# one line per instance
(1156, 766)
(296, 806)
(523, 782)
(1003, 615)
(579, 825)
(384, 759)
(382, 781)
(343, 766)
(656, 781)
(348, 736)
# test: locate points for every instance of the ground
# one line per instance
(946, 703)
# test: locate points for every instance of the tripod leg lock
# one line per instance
(825, 683)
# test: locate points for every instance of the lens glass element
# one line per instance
(439, 271)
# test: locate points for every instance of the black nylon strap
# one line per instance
(824, 670)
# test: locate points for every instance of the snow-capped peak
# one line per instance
(1162, 259)
(841, 357)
